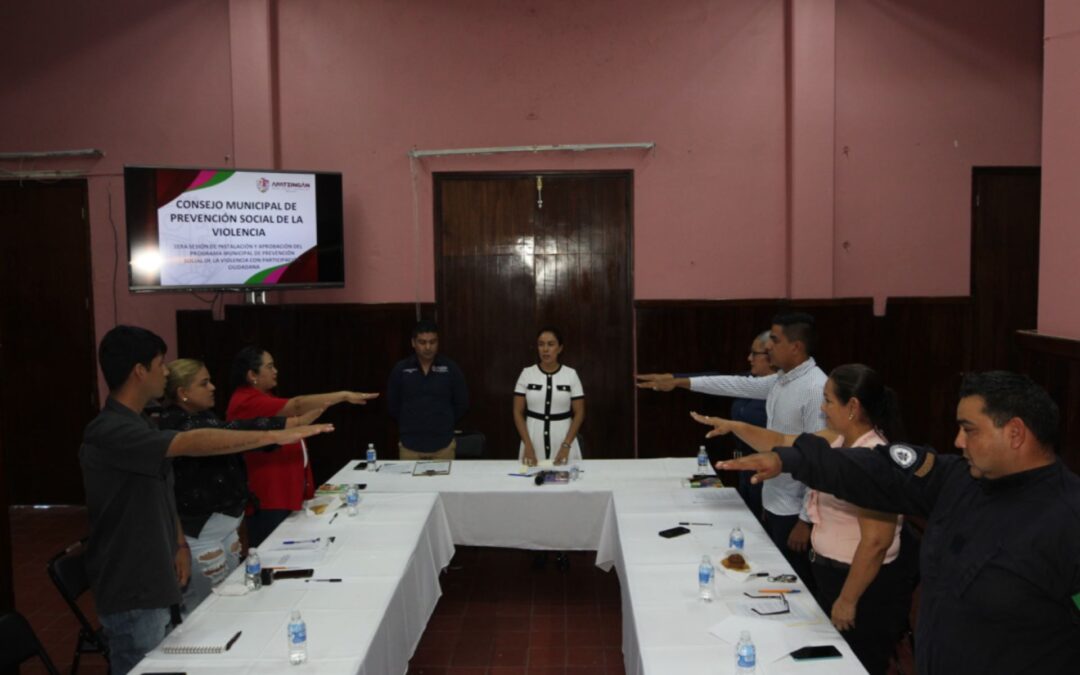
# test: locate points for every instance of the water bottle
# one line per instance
(253, 571)
(352, 500)
(705, 579)
(736, 540)
(575, 471)
(745, 655)
(703, 461)
(298, 639)
(371, 457)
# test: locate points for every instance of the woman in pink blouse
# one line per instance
(867, 597)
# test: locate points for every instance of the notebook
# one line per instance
(199, 642)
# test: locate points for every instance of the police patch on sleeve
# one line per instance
(903, 456)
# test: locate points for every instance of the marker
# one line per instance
(302, 541)
(230, 643)
(329, 581)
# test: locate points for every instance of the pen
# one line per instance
(520, 475)
(302, 541)
(334, 517)
(779, 590)
(329, 581)
(686, 523)
(230, 643)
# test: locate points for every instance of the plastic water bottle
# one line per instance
(575, 471)
(372, 458)
(745, 655)
(352, 500)
(705, 579)
(298, 639)
(253, 571)
(703, 461)
(736, 540)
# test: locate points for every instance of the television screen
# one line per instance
(226, 229)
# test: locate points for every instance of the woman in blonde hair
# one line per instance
(211, 491)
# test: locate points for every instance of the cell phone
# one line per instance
(361, 486)
(674, 532)
(816, 652)
(360, 466)
(294, 574)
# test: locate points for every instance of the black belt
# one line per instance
(552, 417)
(818, 559)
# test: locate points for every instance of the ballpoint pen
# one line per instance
(780, 590)
(230, 643)
(684, 523)
(329, 581)
(302, 541)
(334, 517)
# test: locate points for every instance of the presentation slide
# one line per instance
(235, 227)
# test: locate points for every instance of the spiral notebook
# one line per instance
(199, 642)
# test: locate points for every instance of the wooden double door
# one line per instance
(515, 252)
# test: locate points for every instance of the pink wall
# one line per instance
(1059, 285)
(926, 90)
(360, 83)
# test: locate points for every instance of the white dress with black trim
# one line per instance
(548, 414)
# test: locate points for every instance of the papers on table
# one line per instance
(294, 553)
(772, 644)
(432, 468)
(401, 468)
(801, 607)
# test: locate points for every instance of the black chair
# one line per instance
(67, 570)
(18, 643)
(470, 445)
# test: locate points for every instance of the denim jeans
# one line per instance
(132, 634)
(214, 554)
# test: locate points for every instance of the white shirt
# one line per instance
(793, 405)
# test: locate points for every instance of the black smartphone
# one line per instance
(361, 486)
(294, 574)
(674, 532)
(360, 466)
(817, 652)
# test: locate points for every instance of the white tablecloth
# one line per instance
(389, 558)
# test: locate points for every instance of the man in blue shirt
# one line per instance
(427, 395)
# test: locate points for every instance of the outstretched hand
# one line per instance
(720, 426)
(765, 465)
(656, 381)
(358, 397)
(296, 434)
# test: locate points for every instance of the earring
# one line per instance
(851, 416)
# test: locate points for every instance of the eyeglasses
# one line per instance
(785, 607)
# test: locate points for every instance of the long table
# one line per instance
(616, 509)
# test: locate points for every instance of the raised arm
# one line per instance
(758, 438)
(202, 442)
(299, 405)
(894, 478)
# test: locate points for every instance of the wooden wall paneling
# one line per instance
(924, 350)
(1055, 364)
(317, 348)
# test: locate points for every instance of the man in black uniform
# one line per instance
(1000, 559)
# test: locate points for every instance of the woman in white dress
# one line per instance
(549, 406)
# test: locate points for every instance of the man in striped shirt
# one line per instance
(793, 398)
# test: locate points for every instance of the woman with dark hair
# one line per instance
(853, 549)
(281, 479)
(549, 405)
(211, 491)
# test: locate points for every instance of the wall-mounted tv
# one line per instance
(193, 229)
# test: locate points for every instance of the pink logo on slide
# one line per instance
(262, 184)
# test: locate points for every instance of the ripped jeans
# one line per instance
(214, 554)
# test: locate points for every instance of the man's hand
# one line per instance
(358, 398)
(843, 614)
(720, 426)
(182, 565)
(799, 538)
(657, 381)
(529, 455)
(765, 465)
